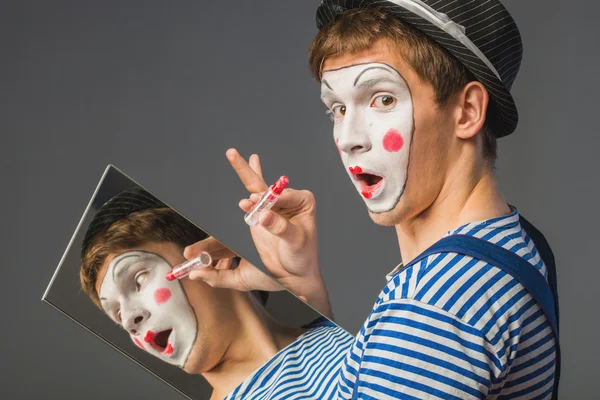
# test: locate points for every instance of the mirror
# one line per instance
(116, 280)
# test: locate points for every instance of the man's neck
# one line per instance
(259, 338)
(462, 200)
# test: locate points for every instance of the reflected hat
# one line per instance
(481, 34)
(118, 207)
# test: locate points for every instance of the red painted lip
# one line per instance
(368, 191)
(355, 170)
(149, 338)
(365, 189)
(153, 338)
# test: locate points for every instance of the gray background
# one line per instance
(162, 89)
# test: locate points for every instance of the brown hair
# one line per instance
(153, 225)
(356, 30)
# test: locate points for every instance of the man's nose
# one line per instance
(354, 134)
(132, 320)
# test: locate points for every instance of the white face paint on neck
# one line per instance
(372, 110)
(155, 312)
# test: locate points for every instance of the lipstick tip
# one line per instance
(170, 276)
(281, 184)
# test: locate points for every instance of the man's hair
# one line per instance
(134, 230)
(357, 29)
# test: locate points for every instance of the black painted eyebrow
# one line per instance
(372, 82)
(327, 84)
(124, 269)
(368, 69)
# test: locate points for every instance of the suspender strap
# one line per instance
(520, 269)
(544, 250)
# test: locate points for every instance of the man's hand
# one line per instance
(245, 277)
(285, 238)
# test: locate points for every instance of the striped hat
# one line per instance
(481, 34)
(117, 208)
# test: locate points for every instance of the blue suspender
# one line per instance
(525, 273)
(517, 267)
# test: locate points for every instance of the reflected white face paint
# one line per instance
(155, 312)
(372, 109)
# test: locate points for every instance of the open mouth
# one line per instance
(159, 341)
(369, 183)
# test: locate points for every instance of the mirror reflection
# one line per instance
(206, 342)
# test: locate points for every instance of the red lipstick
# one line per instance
(267, 201)
(184, 269)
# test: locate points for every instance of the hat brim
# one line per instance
(502, 114)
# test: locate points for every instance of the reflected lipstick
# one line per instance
(184, 269)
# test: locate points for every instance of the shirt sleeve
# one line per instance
(413, 350)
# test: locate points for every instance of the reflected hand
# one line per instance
(245, 277)
(286, 236)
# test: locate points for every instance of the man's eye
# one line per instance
(338, 111)
(140, 279)
(383, 101)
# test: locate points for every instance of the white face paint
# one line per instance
(155, 312)
(372, 110)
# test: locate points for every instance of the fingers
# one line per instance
(219, 278)
(254, 162)
(246, 205)
(252, 279)
(224, 263)
(211, 245)
(279, 226)
(251, 179)
(290, 199)
(295, 199)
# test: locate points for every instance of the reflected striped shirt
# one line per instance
(306, 369)
(454, 327)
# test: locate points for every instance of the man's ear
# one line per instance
(472, 107)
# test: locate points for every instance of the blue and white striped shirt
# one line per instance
(453, 327)
(306, 369)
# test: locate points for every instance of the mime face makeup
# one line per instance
(372, 109)
(154, 311)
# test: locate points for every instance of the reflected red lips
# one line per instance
(159, 341)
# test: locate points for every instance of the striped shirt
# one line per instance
(306, 369)
(454, 327)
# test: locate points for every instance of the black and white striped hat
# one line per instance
(481, 34)
(118, 207)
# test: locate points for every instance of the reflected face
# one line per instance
(372, 110)
(155, 312)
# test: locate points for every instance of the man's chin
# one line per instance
(199, 360)
(193, 366)
(194, 360)
(388, 217)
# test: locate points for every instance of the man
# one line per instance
(225, 335)
(419, 93)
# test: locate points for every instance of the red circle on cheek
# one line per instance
(162, 295)
(392, 141)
